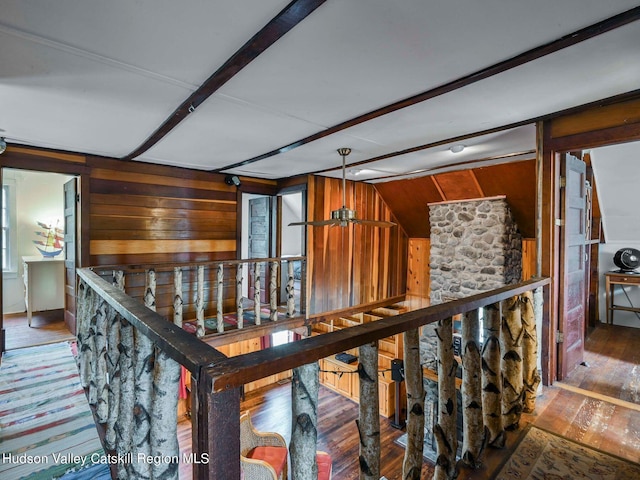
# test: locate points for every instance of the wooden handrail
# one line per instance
(163, 267)
(233, 372)
(178, 344)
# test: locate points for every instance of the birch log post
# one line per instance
(511, 364)
(304, 415)
(102, 384)
(369, 417)
(492, 377)
(93, 377)
(531, 378)
(200, 302)
(273, 292)
(124, 425)
(84, 346)
(164, 418)
(113, 372)
(220, 301)
(412, 464)
(445, 429)
(291, 300)
(257, 293)
(178, 301)
(144, 360)
(239, 307)
(473, 426)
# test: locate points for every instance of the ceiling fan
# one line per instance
(343, 216)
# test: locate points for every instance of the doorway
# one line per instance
(33, 237)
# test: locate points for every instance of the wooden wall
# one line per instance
(408, 199)
(356, 264)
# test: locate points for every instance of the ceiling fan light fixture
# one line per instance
(457, 148)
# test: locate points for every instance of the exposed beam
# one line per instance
(538, 52)
(282, 23)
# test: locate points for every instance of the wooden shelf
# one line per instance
(342, 377)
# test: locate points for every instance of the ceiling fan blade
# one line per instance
(318, 223)
(374, 223)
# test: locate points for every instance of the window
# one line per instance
(6, 252)
(280, 338)
(8, 226)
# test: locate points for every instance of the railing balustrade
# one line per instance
(114, 359)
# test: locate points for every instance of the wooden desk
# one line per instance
(615, 278)
(45, 276)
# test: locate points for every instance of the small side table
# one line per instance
(618, 278)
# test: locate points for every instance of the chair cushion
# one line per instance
(324, 465)
(274, 456)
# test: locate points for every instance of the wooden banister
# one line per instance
(236, 371)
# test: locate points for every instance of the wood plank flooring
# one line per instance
(46, 327)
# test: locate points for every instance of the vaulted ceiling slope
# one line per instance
(271, 89)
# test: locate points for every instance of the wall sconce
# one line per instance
(232, 180)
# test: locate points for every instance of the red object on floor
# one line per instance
(324, 465)
(274, 456)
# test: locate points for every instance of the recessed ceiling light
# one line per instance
(457, 148)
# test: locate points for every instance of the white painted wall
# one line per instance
(38, 197)
(292, 236)
(617, 179)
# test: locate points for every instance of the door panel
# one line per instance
(572, 304)
(70, 196)
(260, 241)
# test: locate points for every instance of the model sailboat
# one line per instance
(53, 237)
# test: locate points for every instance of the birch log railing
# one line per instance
(217, 381)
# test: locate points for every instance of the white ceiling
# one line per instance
(101, 77)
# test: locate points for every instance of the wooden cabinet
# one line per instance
(343, 378)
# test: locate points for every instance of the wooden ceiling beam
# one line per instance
(282, 23)
(535, 53)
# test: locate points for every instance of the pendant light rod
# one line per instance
(344, 152)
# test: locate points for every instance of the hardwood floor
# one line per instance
(611, 425)
(46, 327)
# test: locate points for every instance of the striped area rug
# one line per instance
(46, 426)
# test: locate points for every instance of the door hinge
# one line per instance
(77, 198)
(559, 222)
(559, 337)
(563, 182)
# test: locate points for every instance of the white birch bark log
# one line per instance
(93, 378)
(164, 418)
(124, 425)
(200, 302)
(473, 425)
(511, 365)
(178, 301)
(113, 364)
(531, 377)
(445, 429)
(220, 300)
(83, 329)
(113, 371)
(239, 307)
(492, 376)
(414, 381)
(257, 292)
(290, 290)
(273, 292)
(144, 364)
(102, 385)
(369, 418)
(304, 415)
